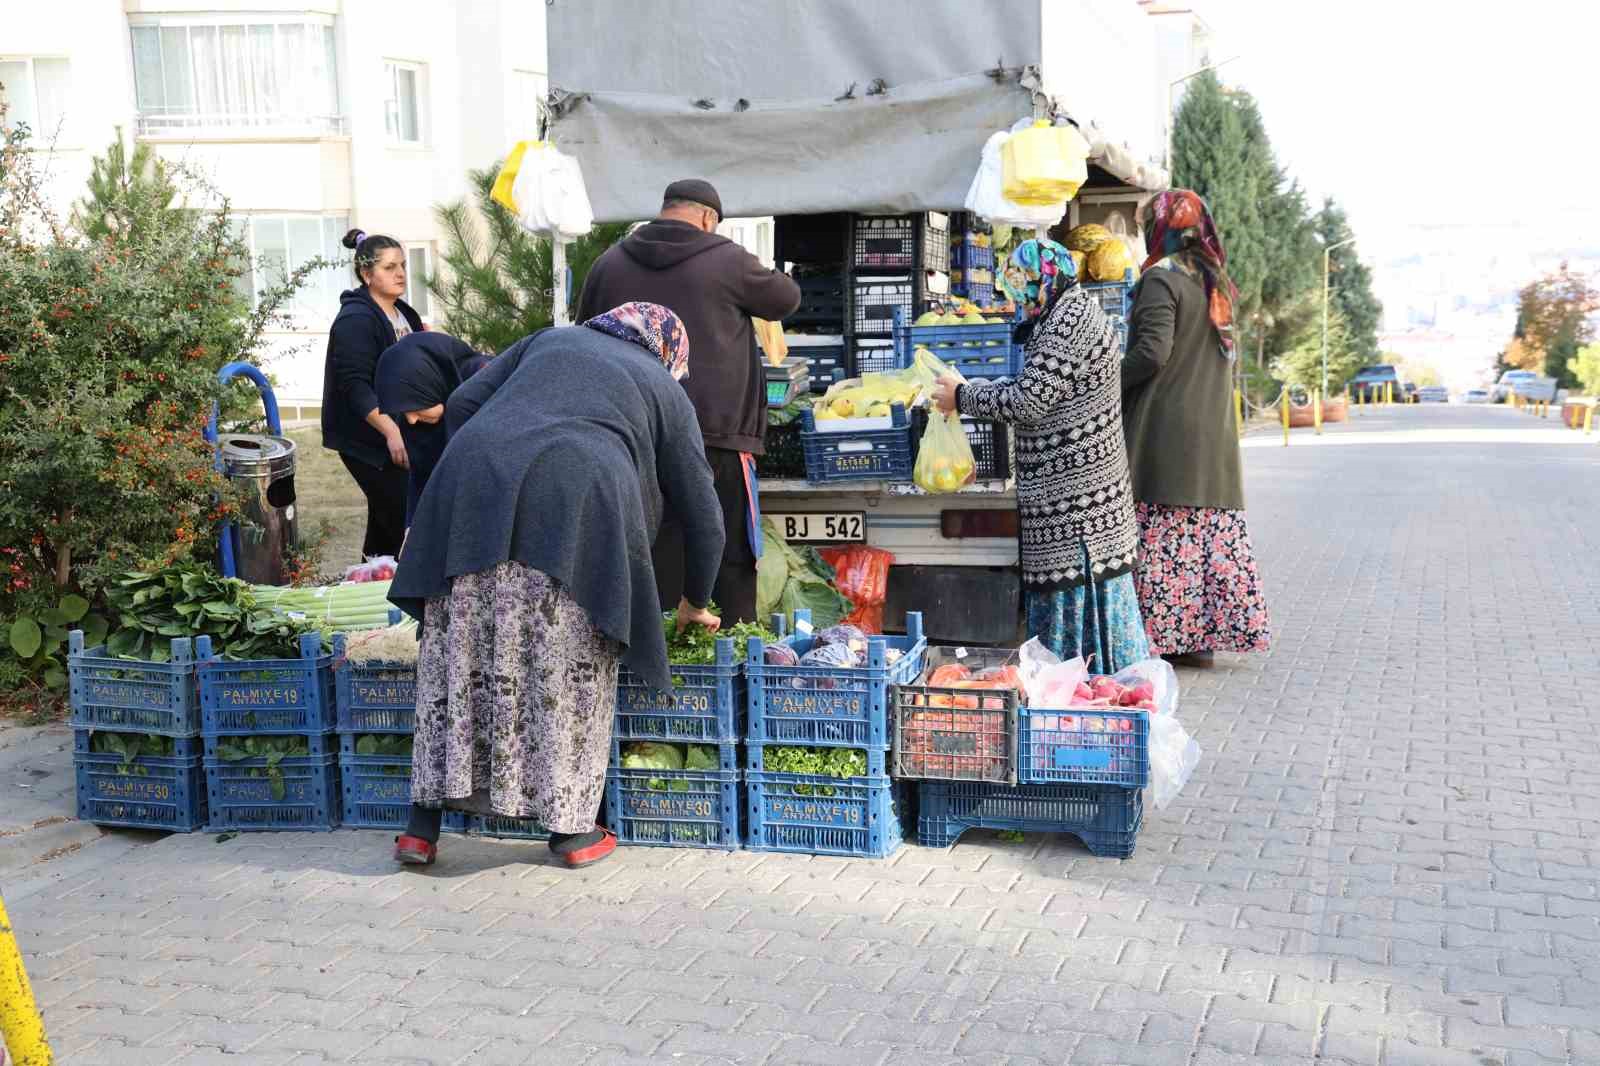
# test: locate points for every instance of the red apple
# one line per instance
(1083, 693)
(1105, 688)
(1143, 692)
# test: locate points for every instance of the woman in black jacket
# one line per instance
(371, 317)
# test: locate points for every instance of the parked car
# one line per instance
(1476, 396)
(1410, 388)
(1433, 394)
(1369, 383)
(1526, 384)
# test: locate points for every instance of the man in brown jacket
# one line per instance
(715, 287)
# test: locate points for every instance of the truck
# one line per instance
(831, 108)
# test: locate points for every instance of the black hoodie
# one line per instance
(715, 287)
(360, 333)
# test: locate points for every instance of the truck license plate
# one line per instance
(822, 526)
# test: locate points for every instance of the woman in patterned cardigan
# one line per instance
(1073, 493)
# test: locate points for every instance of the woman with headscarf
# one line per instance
(1073, 500)
(1197, 577)
(528, 564)
(416, 375)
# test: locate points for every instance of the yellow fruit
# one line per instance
(947, 480)
(1080, 260)
(824, 414)
(1110, 261)
(1087, 237)
(972, 318)
(878, 410)
(949, 318)
(843, 407)
(928, 318)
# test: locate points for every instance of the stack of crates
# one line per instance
(706, 709)
(826, 707)
(136, 746)
(972, 262)
(898, 263)
(1116, 300)
(986, 762)
(816, 249)
(252, 710)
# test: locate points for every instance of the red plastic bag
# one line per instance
(862, 574)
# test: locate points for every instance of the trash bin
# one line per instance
(266, 532)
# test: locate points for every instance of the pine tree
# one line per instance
(122, 191)
(1350, 282)
(497, 285)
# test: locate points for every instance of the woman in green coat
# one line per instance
(1198, 587)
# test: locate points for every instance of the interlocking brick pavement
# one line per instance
(1387, 858)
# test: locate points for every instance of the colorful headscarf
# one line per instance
(1180, 234)
(1038, 271)
(651, 327)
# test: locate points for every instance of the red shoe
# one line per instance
(414, 851)
(594, 852)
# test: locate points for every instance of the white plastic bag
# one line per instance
(546, 193)
(1173, 756)
(1046, 680)
(985, 198)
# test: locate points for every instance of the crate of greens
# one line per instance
(109, 691)
(375, 679)
(375, 780)
(267, 695)
(139, 780)
(674, 795)
(258, 783)
(820, 801)
(707, 701)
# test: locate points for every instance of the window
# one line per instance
(281, 244)
(403, 107)
(528, 90)
(35, 91)
(419, 264)
(248, 72)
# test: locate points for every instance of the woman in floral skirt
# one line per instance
(1198, 586)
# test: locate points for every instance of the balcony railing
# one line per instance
(260, 124)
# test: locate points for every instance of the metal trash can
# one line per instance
(266, 533)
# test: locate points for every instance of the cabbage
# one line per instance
(654, 755)
(830, 655)
(701, 757)
(780, 655)
(843, 633)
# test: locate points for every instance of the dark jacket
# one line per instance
(415, 373)
(715, 287)
(1177, 399)
(360, 333)
(564, 452)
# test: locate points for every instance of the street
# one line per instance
(1387, 856)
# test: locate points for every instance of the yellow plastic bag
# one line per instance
(1043, 164)
(503, 181)
(944, 463)
(770, 336)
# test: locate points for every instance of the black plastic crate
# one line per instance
(874, 300)
(826, 355)
(901, 242)
(872, 355)
(991, 444)
(952, 734)
(785, 456)
(811, 239)
(824, 302)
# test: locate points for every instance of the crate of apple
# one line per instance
(1100, 737)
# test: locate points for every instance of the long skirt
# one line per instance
(1198, 585)
(516, 692)
(1099, 621)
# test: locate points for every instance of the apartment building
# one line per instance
(311, 116)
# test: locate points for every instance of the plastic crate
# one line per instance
(706, 704)
(827, 357)
(674, 808)
(872, 355)
(804, 814)
(240, 794)
(375, 790)
(785, 456)
(990, 441)
(373, 697)
(874, 301)
(499, 827)
(318, 744)
(847, 453)
(132, 695)
(1107, 820)
(246, 696)
(978, 292)
(166, 792)
(967, 254)
(1114, 297)
(828, 706)
(952, 734)
(1084, 746)
(901, 242)
(727, 752)
(756, 758)
(974, 351)
(824, 304)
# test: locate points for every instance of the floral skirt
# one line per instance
(516, 692)
(1198, 586)
(1099, 621)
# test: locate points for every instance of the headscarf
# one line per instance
(1181, 235)
(415, 373)
(651, 327)
(1038, 272)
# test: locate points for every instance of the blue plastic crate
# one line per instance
(151, 792)
(373, 697)
(375, 791)
(756, 757)
(727, 752)
(240, 800)
(1084, 746)
(266, 695)
(674, 808)
(826, 358)
(807, 815)
(849, 454)
(132, 695)
(974, 351)
(498, 827)
(829, 706)
(706, 704)
(967, 254)
(182, 747)
(1106, 819)
(979, 292)
(318, 744)
(1114, 297)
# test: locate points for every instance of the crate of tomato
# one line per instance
(959, 721)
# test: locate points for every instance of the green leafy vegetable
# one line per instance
(697, 646)
(131, 746)
(388, 745)
(818, 762)
(273, 749)
(191, 600)
(788, 578)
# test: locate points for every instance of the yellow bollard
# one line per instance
(20, 1023)
(1316, 411)
(1238, 411)
(1588, 419)
(1283, 409)
(1388, 394)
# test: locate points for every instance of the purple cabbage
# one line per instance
(844, 633)
(830, 655)
(780, 655)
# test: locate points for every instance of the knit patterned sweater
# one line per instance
(1074, 497)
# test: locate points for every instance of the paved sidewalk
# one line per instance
(1387, 858)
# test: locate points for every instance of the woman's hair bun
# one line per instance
(353, 238)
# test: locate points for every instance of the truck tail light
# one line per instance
(972, 524)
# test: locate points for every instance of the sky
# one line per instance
(1444, 128)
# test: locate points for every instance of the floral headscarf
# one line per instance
(1180, 235)
(651, 327)
(1036, 273)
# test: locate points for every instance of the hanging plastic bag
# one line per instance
(1173, 756)
(944, 461)
(1047, 681)
(985, 198)
(862, 574)
(1043, 165)
(544, 189)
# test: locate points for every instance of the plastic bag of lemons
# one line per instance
(873, 395)
(944, 462)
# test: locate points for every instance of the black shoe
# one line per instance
(1195, 660)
